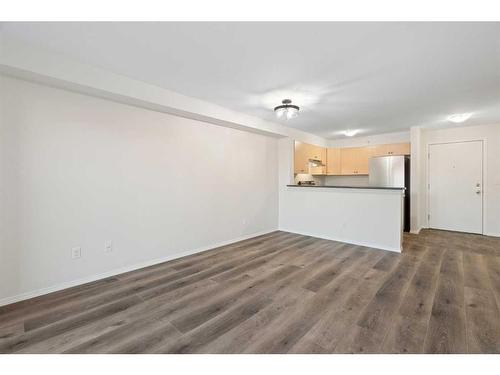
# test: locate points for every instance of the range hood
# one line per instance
(316, 163)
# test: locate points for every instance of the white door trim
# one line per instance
(484, 197)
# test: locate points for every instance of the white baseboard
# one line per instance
(416, 231)
(349, 241)
(117, 271)
(492, 234)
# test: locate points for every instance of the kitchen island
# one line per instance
(364, 215)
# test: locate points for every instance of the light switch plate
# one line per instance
(108, 246)
(76, 252)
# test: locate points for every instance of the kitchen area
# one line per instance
(357, 195)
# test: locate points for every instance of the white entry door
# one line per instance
(456, 186)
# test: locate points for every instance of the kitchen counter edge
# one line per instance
(348, 187)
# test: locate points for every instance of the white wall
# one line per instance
(347, 180)
(78, 170)
(490, 134)
(415, 179)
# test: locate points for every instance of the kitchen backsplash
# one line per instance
(347, 180)
(333, 180)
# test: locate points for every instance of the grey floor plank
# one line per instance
(376, 319)
(446, 332)
(483, 323)
(408, 331)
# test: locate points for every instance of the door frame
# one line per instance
(483, 178)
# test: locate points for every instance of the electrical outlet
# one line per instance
(76, 252)
(108, 246)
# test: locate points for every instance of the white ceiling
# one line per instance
(376, 77)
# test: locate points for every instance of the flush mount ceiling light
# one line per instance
(350, 133)
(286, 110)
(459, 117)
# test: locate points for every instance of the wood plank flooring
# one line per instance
(280, 293)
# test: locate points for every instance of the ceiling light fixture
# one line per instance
(350, 133)
(459, 117)
(286, 110)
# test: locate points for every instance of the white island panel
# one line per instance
(368, 217)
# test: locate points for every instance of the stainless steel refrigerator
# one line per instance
(393, 171)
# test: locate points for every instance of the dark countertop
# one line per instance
(349, 187)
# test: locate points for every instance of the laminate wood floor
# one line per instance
(280, 293)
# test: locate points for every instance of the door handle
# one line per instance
(478, 191)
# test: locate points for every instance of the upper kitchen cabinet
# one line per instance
(355, 160)
(391, 149)
(333, 164)
(309, 158)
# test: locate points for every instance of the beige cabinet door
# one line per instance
(355, 160)
(348, 160)
(399, 149)
(317, 152)
(363, 160)
(379, 150)
(301, 160)
(391, 149)
(333, 161)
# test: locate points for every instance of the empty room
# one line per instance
(250, 187)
